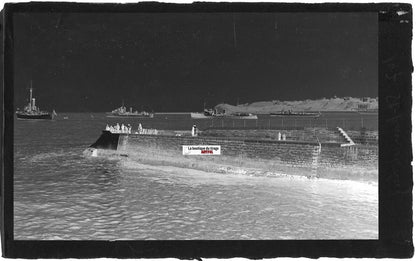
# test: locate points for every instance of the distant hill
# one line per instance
(333, 104)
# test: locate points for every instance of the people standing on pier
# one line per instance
(128, 129)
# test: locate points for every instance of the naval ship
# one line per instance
(122, 112)
(295, 113)
(32, 112)
(211, 114)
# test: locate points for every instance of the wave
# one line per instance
(47, 156)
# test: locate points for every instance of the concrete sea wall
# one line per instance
(324, 135)
(248, 148)
(300, 134)
(249, 156)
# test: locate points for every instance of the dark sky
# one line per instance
(175, 61)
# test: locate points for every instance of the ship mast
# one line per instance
(30, 98)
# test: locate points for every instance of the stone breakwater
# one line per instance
(324, 135)
(246, 155)
(299, 152)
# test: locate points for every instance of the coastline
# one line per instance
(340, 105)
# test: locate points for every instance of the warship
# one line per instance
(32, 112)
(122, 112)
(295, 113)
(211, 114)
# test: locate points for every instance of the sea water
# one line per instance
(61, 194)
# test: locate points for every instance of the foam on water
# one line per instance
(364, 191)
(235, 165)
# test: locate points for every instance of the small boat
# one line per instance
(295, 114)
(32, 112)
(212, 114)
(122, 112)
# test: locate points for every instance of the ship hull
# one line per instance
(295, 115)
(195, 115)
(21, 116)
(128, 116)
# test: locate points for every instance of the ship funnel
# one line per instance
(33, 103)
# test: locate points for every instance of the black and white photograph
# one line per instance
(195, 126)
(206, 130)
